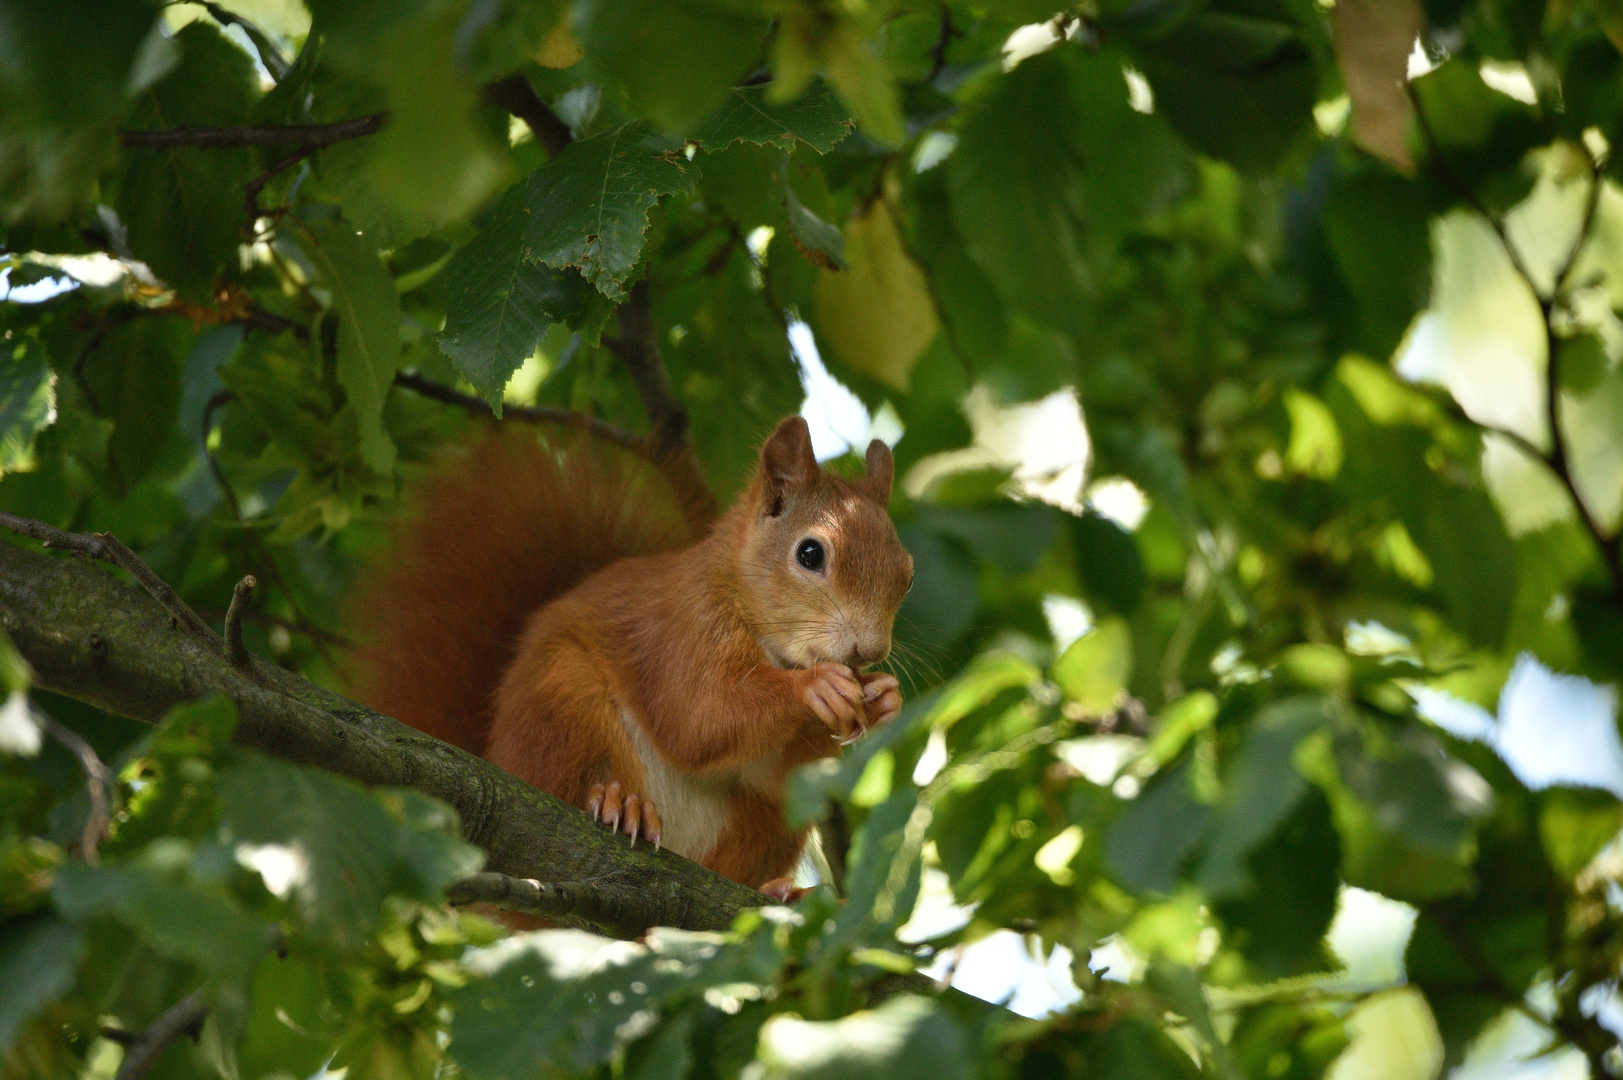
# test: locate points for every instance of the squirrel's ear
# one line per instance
(881, 467)
(787, 462)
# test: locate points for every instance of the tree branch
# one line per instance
(601, 903)
(143, 1051)
(1555, 459)
(517, 96)
(109, 548)
(95, 639)
(235, 650)
(529, 414)
(638, 348)
(309, 136)
(98, 782)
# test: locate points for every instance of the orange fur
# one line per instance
(696, 676)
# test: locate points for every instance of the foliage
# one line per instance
(1164, 208)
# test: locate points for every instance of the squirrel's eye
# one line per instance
(809, 553)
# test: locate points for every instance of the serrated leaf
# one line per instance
(27, 402)
(500, 305)
(347, 849)
(589, 205)
(748, 114)
(878, 313)
(368, 309)
(183, 206)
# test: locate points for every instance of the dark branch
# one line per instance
(92, 638)
(517, 96)
(98, 782)
(529, 414)
(144, 1050)
(638, 348)
(1555, 459)
(251, 190)
(235, 650)
(308, 136)
(110, 549)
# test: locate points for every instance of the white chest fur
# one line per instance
(693, 810)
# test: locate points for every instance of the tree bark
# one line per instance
(91, 637)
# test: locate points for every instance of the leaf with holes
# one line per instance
(589, 205)
(814, 119)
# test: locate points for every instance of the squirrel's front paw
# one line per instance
(630, 814)
(882, 695)
(835, 696)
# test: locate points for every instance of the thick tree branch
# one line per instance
(638, 348)
(95, 639)
(517, 96)
(109, 548)
(143, 1050)
(309, 136)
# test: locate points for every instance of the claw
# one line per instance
(611, 805)
(633, 818)
(650, 824)
(594, 801)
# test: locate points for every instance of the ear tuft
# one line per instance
(881, 468)
(787, 462)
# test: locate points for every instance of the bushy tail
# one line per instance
(506, 525)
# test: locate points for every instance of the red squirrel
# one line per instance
(549, 609)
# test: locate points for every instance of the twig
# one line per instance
(560, 900)
(529, 414)
(98, 781)
(311, 136)
(938, 52)
(517, 96)
(183, 1018)
(292, 626)
(105, 547)
(1555, 459)
(638, 349)
(235, 650)
(251, 190)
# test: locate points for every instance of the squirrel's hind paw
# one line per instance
(626, 813)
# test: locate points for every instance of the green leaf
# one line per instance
(350, 848)
(820, 242)
(906, 1038)
(633, 42)
(1134, 1046)
(1260, 789)
(1238, 84)
(1473, 559)
(1094, 671)
(1018, 194)
(1377, 224)
(667, 1055)
(133, 376)
(39, 957)
(589, 205)
(747, 114)
(1107, 562)
(1575, 823)
(877, 314)
(184, 206)
(500, 305)
(1279, 925)
(559, 1001)
(1149, 843)
(27, 402)
(364, 299)
(177, 914)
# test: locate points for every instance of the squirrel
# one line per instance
(549, 608)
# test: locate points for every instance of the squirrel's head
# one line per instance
(821, 560)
